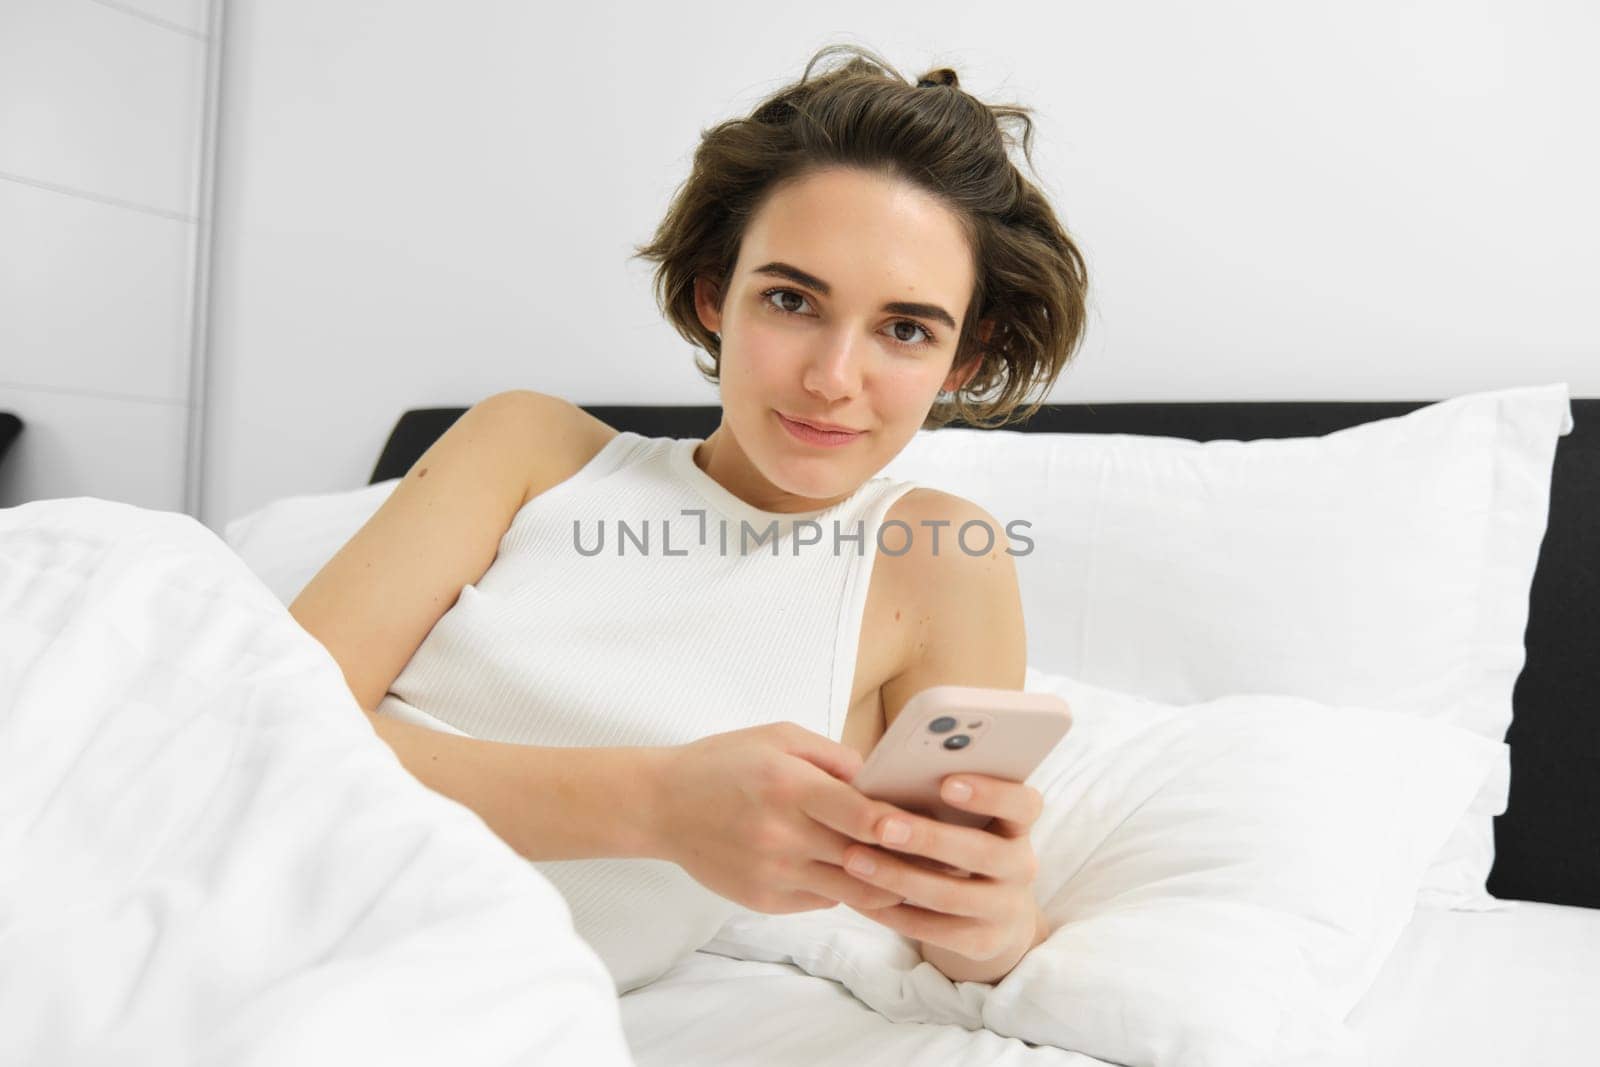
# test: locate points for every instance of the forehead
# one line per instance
(869, 236)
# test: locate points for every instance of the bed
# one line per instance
(206, 855)
(1462, 987)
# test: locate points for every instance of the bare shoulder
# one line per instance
(960, 582)
(933, 505)
(438, 531)
(559, 436)
(942, 535)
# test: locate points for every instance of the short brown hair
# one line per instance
(1030, 277)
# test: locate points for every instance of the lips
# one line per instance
(826, 427)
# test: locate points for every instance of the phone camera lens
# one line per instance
(943, 724)
(958, 741)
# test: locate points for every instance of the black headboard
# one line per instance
(1547, 844)
(10, 427)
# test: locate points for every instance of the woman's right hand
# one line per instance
(762, 816)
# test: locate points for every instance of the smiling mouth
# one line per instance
(812, 435)
(821, 427)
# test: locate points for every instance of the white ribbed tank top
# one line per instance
(639, 602)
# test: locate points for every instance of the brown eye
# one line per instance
(784, 292)
(927, 337)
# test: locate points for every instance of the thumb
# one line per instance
(837, 759)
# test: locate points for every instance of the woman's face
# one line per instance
(808, 332)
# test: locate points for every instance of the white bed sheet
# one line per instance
(1504, 988)
(1465, 988)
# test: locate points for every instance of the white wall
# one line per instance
(421, 204)
(102, 197)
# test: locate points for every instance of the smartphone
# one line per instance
(948, 729)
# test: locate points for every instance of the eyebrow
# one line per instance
(898, 307)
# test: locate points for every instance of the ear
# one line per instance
(705, 303)
(959, 377)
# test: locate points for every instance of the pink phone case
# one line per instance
(1008, 733)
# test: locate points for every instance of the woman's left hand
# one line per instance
(968, 892)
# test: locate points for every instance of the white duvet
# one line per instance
(207, 855)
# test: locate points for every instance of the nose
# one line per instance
(834, 371)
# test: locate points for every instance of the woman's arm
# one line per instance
(375, 601)
(973, 929)
(761, 816)
(546, 803)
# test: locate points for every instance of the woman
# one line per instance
(670, 739)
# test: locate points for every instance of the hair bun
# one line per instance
(942, 76)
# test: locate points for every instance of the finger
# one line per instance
(929, 864)
(923, 888)
(1015, 806)
(831, 881)
(800, 900)
(840, 807)
(829, 846)
(953, 932)
(826, 874)
(961, 848)
(839, 760)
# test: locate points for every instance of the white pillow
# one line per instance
(287, 541)
(1223, 881)
(1386, 565)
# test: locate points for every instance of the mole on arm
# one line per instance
(423, 473)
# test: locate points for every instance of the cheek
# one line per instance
(768, 362)
(912, 389)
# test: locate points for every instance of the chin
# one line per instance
(812, 477)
